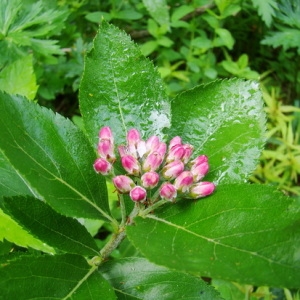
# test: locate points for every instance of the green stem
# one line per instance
(152, 207)
(123, 209)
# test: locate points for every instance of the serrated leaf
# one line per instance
(224, 120)
(53, 157)
(60, 232)
(266, 9)
(120, 88)
(137, 278)
(11, 184)
(53, 277)
(287, 38)
(19, 78)
(244, 233)
(159, 11)
(11, 231)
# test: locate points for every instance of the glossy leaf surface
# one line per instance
(137, 278)
(53, 277)
(58, 231)
(244, 233)
(53, 158)
(225, 121)
(120, 88)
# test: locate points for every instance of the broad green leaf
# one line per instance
(137, 278)
(11, 231)
(158, 10)
(224, 120)
(53, 277)
(244, 233)
(19, 78)
(11, 184)
(60, 232)
(53, 157)
(120, 88)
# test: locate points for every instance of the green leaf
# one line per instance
(11, 184)
(120, 88)
(53, 157)
(245, 233)
(53, 277)
(14, 233)
(158, 10)
(225, 38)
(19, 78)
(60, 232)
(137, 278)
(287, 38)
(266, 9)
(224, 120)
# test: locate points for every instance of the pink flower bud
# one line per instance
(199, 171)
(133, 136)
(138, 194)
(123, 150)
(188, 152)
(175, 153)
(102, 166)
(199, 160)
(162, 149)
(201, 189)
(141, 148)
(168, 191)
(175, 141)
(184, 181)
(152, 143)
(123, 183)
(172, 169)
(150, 180)
(152, 162)
(131, 165)
(106, 150)
(106, 134)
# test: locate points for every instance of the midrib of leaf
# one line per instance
(61, 180)
(216, 243)
(90, 272)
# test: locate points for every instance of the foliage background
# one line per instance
(42, 44)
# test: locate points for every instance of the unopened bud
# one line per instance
(133, 136)
(199, 160)
(150, 180)
(106, 150)
(138, 194)
(201, 189)
(131, 165)
(152, 143)
(184, 181)
(175, 153)
(162, 149)
(199, 171)
(175, 141)
(102, 166)
(152, 162)
(168, 191)
(187, 153)
(123, 184)
(172, 169)
(106, 134)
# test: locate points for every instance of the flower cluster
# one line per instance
(152, 164)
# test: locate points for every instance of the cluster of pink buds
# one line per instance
(151, 165)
